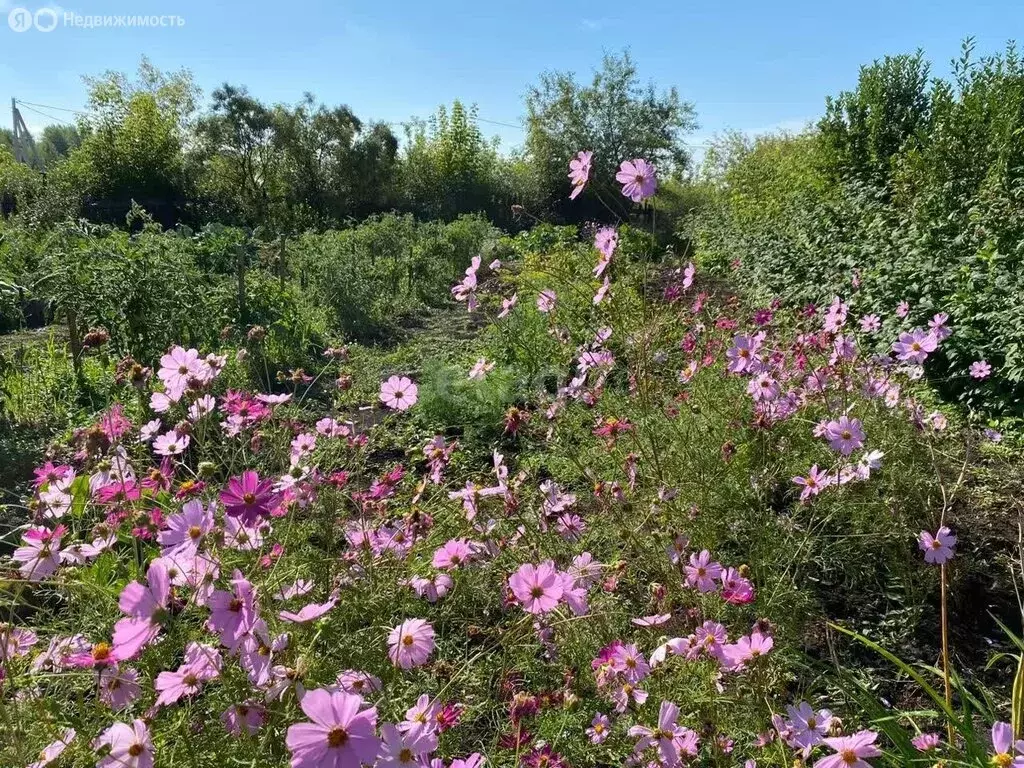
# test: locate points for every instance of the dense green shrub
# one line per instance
(372, 276)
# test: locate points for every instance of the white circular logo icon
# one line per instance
(20, 19)
(46, 19)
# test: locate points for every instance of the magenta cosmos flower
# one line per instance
(410, 643)
(638, 179)
(399, 393)
(130, 746)
(938, 548)
(851, 751)
(579, 172)
(247, 497)
(537, 588)
(340, 734)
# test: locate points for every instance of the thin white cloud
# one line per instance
(593, 25)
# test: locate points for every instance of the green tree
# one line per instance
(133, 148)
(57, 142)
(864, 129)
(614, 116)
(241, 165)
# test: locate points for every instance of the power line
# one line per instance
(50, 106)
(48, 117)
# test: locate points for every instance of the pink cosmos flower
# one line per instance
(638, 179)
(630, 663)
(606, 240)
(1008, 754)
(742, 355)
(809, 728)
(53, 750)
(399, 393)
(359, 682)
(233, 615)
(902, 309)
(177, 367)
(915, 346)
(939, 548)
(247, 497)
(130, 746)
(247, 538)
(410, 643)
(40, 552)
(703, 572)
(119, 687)
(579, 172)
(341, 735)
(851, 751)
(332, 428)
(507, 305)
(926, 742)
(736, 589)
(480, 369)
(308, 613)
(763, 388)
(423, 715)
(145, 609)
(244, 718)
(599, 729)
(433, 588)
(404, 749)
(870, 323)
(980, 369)
(454, 553)
(186, 529)
(747, 648)
(15, 641)
(202, 663)
(664, 737)
(537, 588)
(845, 435)
(99, 656)
(171, 444)
(651, 621)
(53, 475)
(938, 326)
(546, 300)
(814, 483)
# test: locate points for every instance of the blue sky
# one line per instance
(751, 66)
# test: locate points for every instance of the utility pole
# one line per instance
(24, 146)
